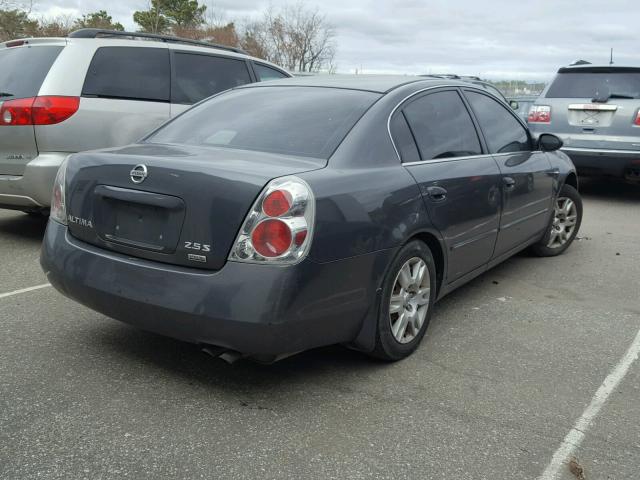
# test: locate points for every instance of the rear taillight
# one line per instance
(279, 226)
(539, 114)
(46, 110)
(637, 119)
(58, 199)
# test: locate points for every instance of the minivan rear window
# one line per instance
(23, 69)
(595, 84)
(301, 121)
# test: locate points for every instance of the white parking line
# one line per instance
(574, 438)
(24, 290)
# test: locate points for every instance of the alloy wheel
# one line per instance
(409, 301)
(565, 217)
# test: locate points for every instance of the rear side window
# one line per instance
(595, 85)
(200, 76)
(133, 73)
(267, 73)
(403, 138)
(303, 121)
(23, 69)
(502, 131)
(442, 126)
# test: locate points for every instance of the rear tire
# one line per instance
(406, 303)
(564, 224)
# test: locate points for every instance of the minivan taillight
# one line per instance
(539, 114)
(45, 110)
(279, 226)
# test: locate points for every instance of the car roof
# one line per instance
(591, 68)
(371, 83)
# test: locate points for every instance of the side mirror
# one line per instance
(514, 104)
(549, 142)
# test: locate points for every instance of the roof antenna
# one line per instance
(611, 58)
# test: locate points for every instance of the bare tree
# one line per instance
(294, 37)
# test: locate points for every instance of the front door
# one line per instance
(527, 177)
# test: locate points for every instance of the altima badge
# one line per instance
(139, 173)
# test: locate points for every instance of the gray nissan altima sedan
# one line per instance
(287, 215)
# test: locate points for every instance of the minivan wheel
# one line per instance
(406, 303)
(564, 225)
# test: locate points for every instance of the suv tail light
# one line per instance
(279, 226)
(637, 119)
(46, 110)
(539, 114)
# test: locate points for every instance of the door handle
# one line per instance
(509, 183)
(437, 194)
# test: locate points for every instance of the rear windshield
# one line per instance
(23, 69)
(591, 85)
(303, 121)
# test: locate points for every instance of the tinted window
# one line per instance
(129, 72)
(403, 138)
(302, 121)
(502, 131)
(23, 69)
(200, 76)
(442, 126)
(592, 84)
(267, 73)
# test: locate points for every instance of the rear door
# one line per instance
(527, 176)
(125, 95)
(197, 76)
(22, 72)
(459, 182)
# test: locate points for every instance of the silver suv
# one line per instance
(595, 110)
(97, 89)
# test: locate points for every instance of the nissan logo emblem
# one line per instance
(139, 173)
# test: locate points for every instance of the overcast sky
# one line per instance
(497, 39)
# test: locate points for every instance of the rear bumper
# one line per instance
(32, 190)
(252, 309)
(617, 163)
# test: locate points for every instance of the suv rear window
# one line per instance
(594, 84)
(304, 121)
(23, 69)
(134, 73)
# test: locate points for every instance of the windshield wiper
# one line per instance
(612, 95)
(6, 94)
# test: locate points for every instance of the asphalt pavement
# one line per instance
(510, 363)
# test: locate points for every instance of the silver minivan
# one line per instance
(97, 89)
(595, 110)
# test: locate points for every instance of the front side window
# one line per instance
(442, 126)
(200, 76)
(502, 131)
(267, 73)
(134, 73)
(303, 121)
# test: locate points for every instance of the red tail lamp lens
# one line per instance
(300, 237)
(271, 238)
(276, 203)
(51, 110)
(47, 110)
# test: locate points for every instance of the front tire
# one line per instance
(408, 295)
(564, 225)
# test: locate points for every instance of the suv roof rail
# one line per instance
(100, 33)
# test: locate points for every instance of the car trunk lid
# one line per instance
(173, 204)
(595, 107)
